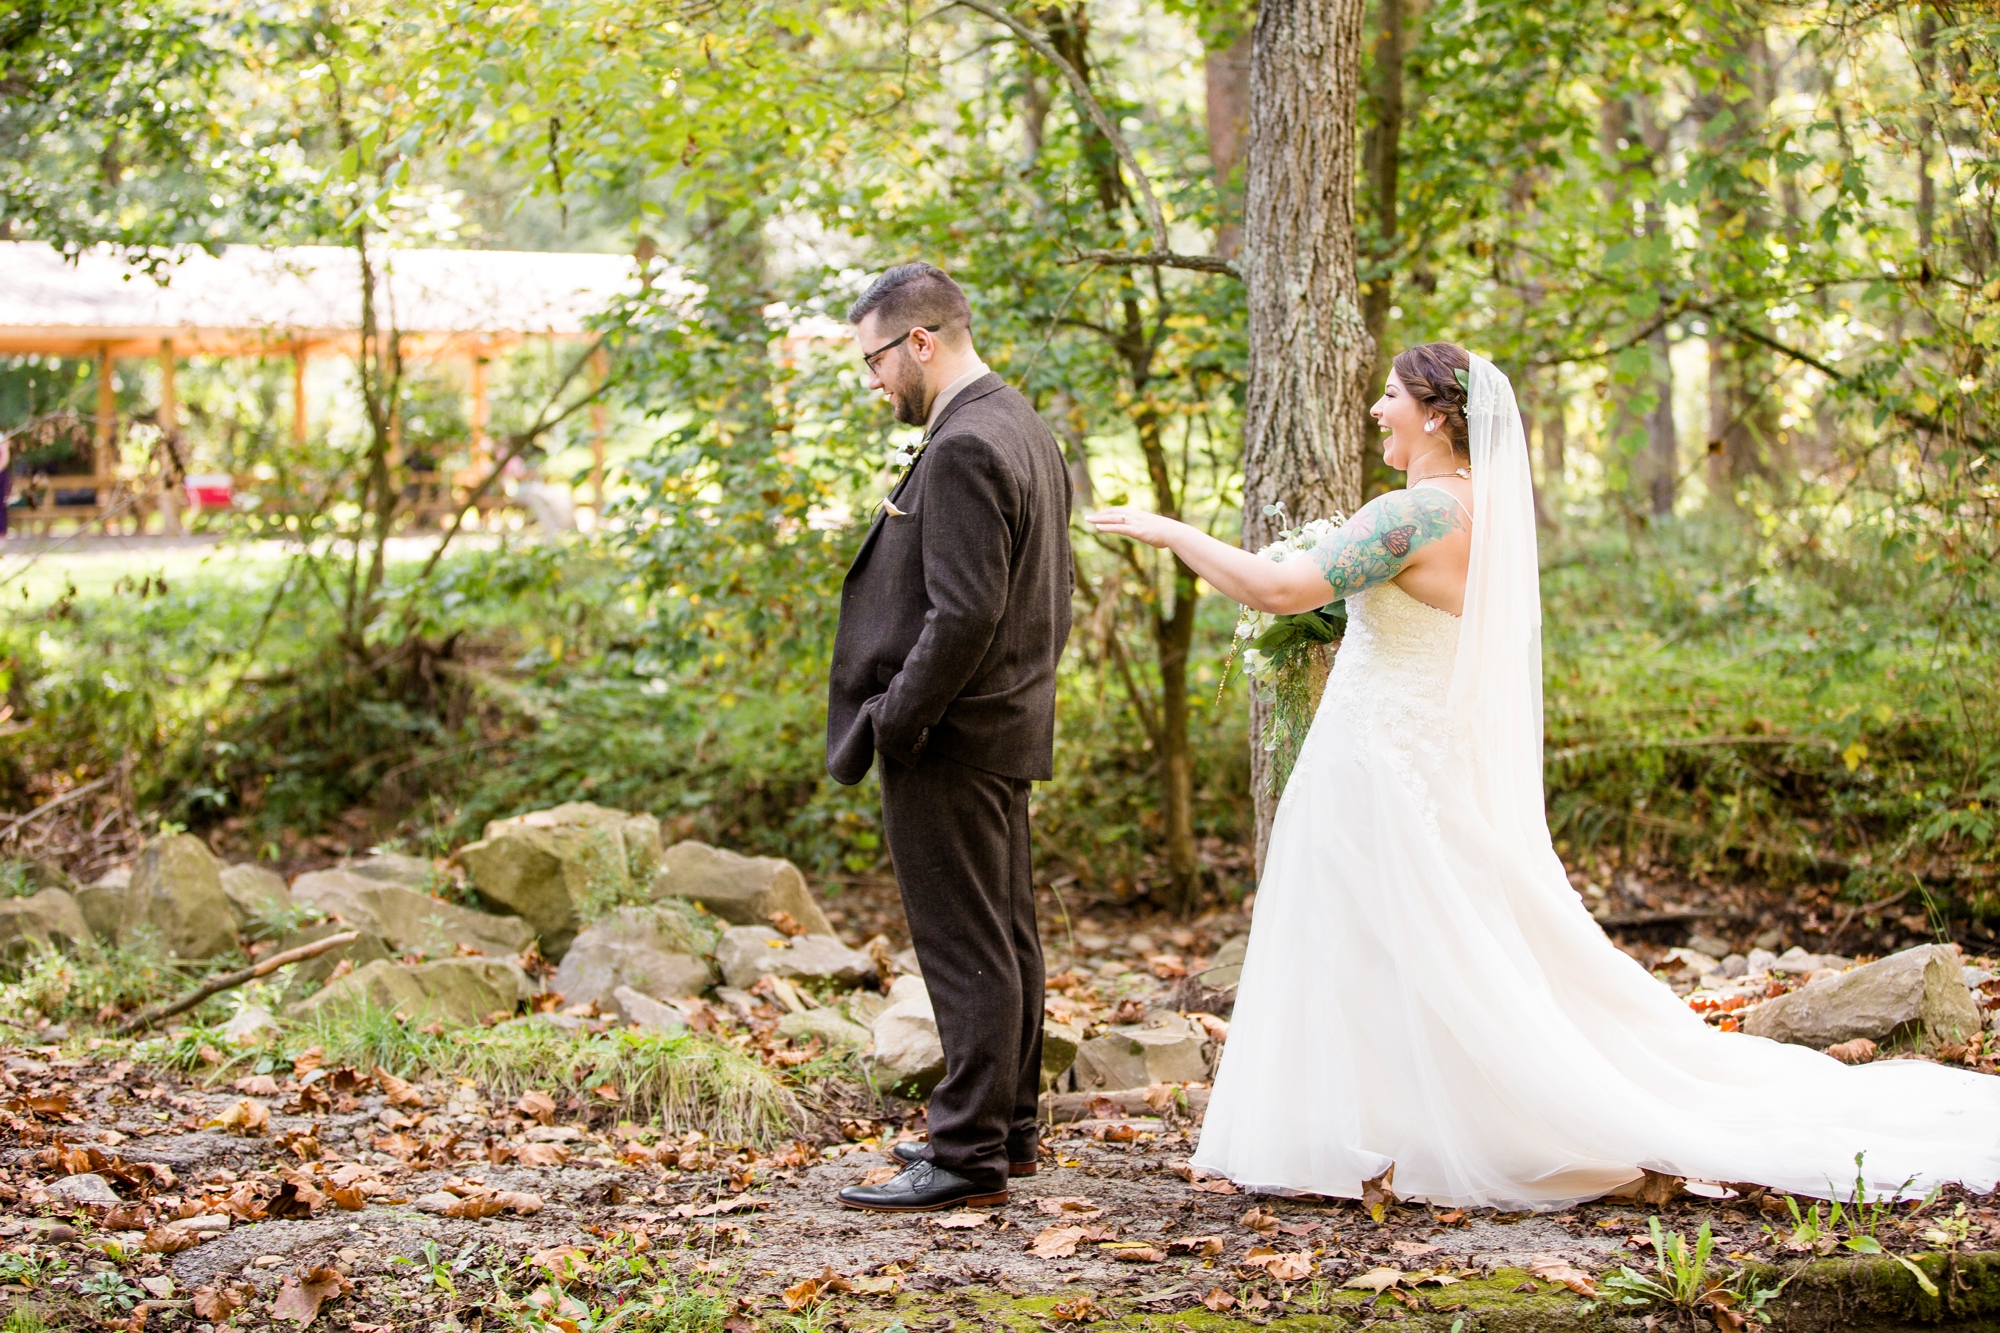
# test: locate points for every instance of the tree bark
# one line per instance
(1227, 74)
(1382, 151)
(1310, 352)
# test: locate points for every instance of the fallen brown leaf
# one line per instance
(1412, 1248)
(216, 1304)
(309, 1059)
(877, 1286)
(1202, 1247)
(351, 1198)
(1857, 1052)
(476, 1206)
(881, 1175)
(1060, 1242)
(563, 1263)
(243, 1117)
(520, 1201)
(299, 1299)
(1218, 1300)
(814, 1289)
(1658, 1190)
(1549, 1268)
(1071, 1209)
(1132, 1252)
(1081, 1310)
(1375, 1279)
(963, 1219)
(168, 1240)
(1378, 1195)
(257, 1085)
(539, 1105)
(396, 1091)
(543, 1154)
(1260, 1219)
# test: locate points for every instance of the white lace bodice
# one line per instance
(1389, 683)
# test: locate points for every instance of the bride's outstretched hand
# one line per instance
(1135, 523)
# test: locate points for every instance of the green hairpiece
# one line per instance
(1464, 379)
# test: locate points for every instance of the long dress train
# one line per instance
(1424, 990)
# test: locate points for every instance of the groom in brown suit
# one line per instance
(951, 622)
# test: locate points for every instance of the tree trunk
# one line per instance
(1227, 73)
(1382, 152)
(1310, 353)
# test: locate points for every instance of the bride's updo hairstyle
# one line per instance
(1430, 373)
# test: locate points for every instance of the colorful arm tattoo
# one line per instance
(1378, 542)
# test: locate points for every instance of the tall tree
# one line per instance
(1310, 352)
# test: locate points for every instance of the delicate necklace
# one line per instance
(1463, 474)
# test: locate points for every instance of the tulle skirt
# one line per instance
(1422, 992)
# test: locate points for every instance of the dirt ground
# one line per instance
(371, 1205)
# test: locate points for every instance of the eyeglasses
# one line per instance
(868, 358)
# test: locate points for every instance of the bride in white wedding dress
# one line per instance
(1424, 991)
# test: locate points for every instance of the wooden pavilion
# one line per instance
(296, 302)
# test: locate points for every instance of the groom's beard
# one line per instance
(906, 397)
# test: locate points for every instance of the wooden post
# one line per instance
(101, 461)
(167, 418)
(600, 365)
(299, 392)
(480, 443)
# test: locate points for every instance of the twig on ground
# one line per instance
(216, 985)
(72, 794)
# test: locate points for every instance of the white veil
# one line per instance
(1495, 705)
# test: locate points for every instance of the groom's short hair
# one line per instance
(910, 295)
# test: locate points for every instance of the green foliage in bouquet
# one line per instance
(1282, 655)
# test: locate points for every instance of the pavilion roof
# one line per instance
(255, 300)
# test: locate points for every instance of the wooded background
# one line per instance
(1738, 258)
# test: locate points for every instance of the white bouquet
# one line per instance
(1280, 652)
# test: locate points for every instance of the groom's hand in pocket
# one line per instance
(901, 743)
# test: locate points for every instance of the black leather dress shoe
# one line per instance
(907, 1153)
(922, 1187)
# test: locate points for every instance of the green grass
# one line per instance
(1731, 708)
(681, 1082)
(1781, 721)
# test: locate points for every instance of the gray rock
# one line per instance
(412, 872)
(1735, 965)
(456, 990)
(256, 893)
(636, 947)
(176, 891)
(1916, 998)
(1164, 1049)
(1760, 961)
(834, 1030)
(1232, 952)
(643, 1011)
(749, 952)
(1712, 945)
(742, 890)
(862, 1006)
(907, 963)
(908, 1053)
(88, 1188)
(1060, 1043)
(102, 901)
(557, 867)
(309, 976)
(251, 1025)
(43, 919)
(406, 920)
